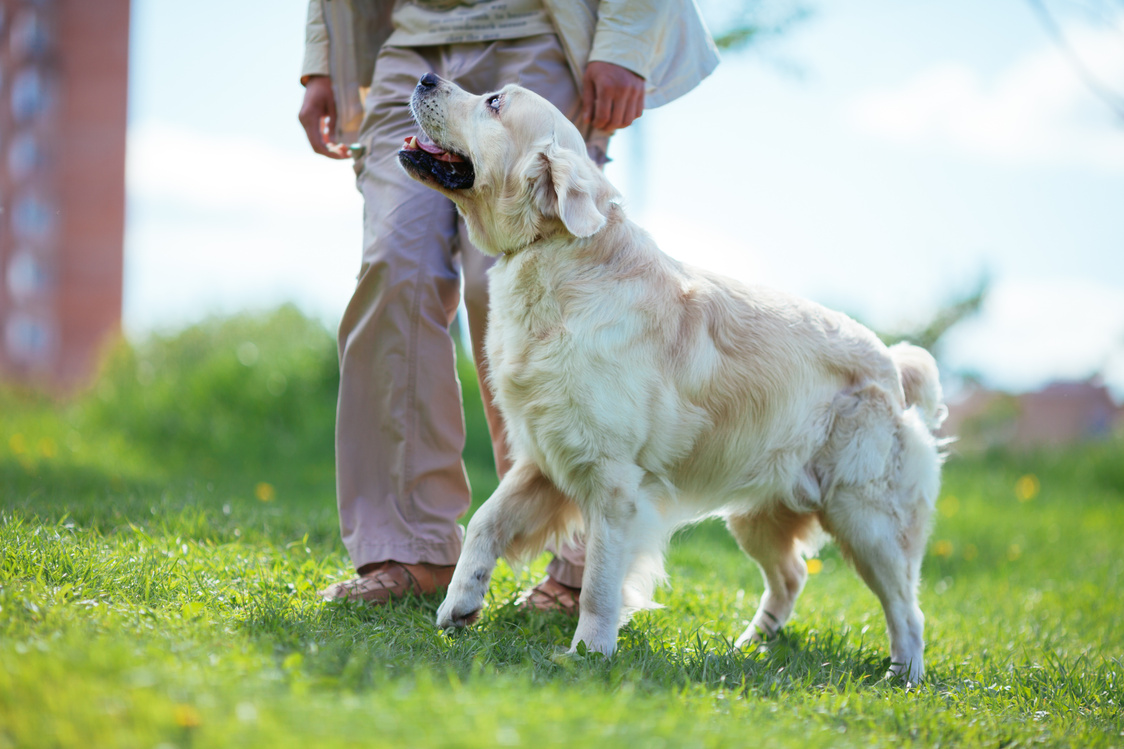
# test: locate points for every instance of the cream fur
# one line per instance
(642, 394)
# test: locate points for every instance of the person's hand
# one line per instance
(612, 96)
(318, 116)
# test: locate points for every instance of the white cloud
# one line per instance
(217, 224)
(1033, 331)
(176, 273)
(705, 246)
(197, 170)
(1038, 111)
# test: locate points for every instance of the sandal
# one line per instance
(377, 584)
(551, 595)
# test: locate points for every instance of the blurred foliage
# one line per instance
(259, 386)
(737, 26)
(250, 397)
(929, 333)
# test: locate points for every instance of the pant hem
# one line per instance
(565, 572)
(408, 553)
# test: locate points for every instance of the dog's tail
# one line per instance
(921, 383)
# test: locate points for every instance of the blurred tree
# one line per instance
(737, 26)
(1105, 13)
(928, 334)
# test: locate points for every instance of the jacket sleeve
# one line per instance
(666, 42)
(625, 33)
(315, 43)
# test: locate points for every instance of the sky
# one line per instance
(880, 158)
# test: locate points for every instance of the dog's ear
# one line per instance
(567, 187)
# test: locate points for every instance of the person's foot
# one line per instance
(377, 583)
(551, 595)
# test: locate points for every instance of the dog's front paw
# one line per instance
(906, 675)
(748, 639)
(450, 616)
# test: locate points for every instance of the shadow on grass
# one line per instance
(182, 507)
(46, 491)
(358, 647)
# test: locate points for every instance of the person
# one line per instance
(401, 484)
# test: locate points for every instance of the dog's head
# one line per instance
(516, 168)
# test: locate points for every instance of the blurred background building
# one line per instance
(63, 94)
(1060, 413)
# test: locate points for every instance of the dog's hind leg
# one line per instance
(886, 541)
(523, 514)
(772, 538)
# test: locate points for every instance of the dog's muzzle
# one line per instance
(422, 156)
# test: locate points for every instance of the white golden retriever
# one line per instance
(642, 394)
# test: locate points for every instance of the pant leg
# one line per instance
(401, 484)
(475, 266)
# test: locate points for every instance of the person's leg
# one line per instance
(475, 265)
(400, 428)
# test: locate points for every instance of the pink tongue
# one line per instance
(432, 149)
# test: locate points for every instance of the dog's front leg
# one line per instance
(465, 596)
(609, 552)
(521, 514)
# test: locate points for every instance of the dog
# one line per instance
(641, 394)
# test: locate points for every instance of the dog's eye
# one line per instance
(495, 101)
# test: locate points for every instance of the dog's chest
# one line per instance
(558, 362)
(532, 351)
(529, 315)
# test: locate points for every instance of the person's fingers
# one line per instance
(624, 108)
(318, 118)
(329, 119)
(588, 97)
(603, 109)
(621, 108)
(635, 109)
(310, 121)
(617, 96)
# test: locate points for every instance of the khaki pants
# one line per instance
(400, 430)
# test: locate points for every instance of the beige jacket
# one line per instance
(665, 42)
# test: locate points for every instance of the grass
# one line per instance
(163, 537)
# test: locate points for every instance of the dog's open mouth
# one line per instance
(451, 170)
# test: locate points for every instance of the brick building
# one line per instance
(63, 94)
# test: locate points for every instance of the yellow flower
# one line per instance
(1027, 487)
(943, 548)
(187, 716)
(48, 448)
(815, 566)
(17, 444)
(265, 492)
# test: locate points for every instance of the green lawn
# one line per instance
(162, 538)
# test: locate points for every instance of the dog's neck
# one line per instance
(615, 216)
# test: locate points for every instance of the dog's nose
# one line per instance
(429, 80)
